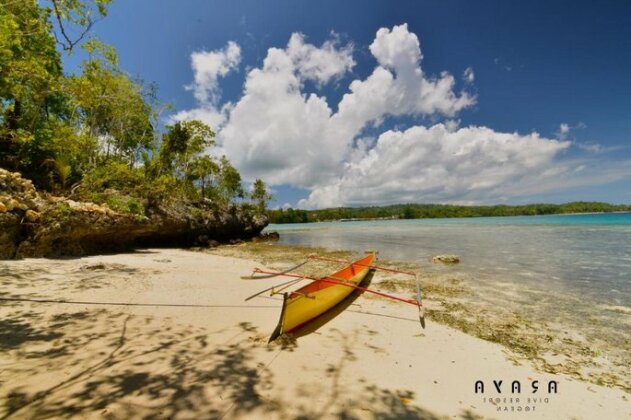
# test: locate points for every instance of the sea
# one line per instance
(562, 268)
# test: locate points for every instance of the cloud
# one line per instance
(468, 75)
(208, 67)
(398, 86)
(278, 132)
(591, 147)
(440, 164)
(320, 64)
(596, 148)
(564, 130)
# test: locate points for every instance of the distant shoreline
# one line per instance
(440, 211)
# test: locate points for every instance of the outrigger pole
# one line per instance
(251, 277)
(287, 283)
(376, 267)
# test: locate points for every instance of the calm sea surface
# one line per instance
(585, 258)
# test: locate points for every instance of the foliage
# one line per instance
(93, 134)
(61, 211)
(260, 195)
(230, 186)
(30, 90)
(422, 211)
(119, 202)
(289, 216)
(111, 107)
(77, 14)
(113, 174)
(182, 144)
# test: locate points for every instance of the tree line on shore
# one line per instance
(429, 211)
(95, 134)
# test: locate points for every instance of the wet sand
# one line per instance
(166, 334)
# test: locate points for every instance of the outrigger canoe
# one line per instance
(317, 297)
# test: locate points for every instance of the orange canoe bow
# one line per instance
(317, 297)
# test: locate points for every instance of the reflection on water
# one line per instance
(565, 264)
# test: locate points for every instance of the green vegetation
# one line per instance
(429, 211)
(95, 135)
(260, 196)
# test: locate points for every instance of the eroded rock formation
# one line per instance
(36, 224)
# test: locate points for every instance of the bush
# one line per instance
(116, 175)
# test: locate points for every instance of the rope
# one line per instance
(176, 305)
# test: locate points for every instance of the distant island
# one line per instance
(434, 211)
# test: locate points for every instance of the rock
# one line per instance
(267, 236)
(10, 234)
(32, 216)
(446, 259)
(12, 204)
(92, 267)
(58, 226)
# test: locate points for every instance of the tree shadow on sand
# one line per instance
(96, 363)
(169, 370)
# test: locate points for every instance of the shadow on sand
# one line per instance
(60, 360)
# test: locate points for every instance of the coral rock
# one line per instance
(32, 216)
(446, 259)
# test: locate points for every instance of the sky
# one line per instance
(375, 102)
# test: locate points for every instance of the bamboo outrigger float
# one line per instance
(322, 294)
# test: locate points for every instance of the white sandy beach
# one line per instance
(204, 353)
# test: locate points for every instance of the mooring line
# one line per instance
(175, 305)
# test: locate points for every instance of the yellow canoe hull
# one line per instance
(316, 298)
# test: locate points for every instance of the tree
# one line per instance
(260, 195)
(30, 72)
(78, 14)
(204, 170)
(95, 129)
(230, 182)
(110, 105)
(34, 106)
(183, 142)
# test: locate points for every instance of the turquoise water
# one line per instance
(583, 256)
(623, 218)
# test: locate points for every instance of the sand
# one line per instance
(184, 344)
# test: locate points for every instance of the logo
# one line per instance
(516, 395)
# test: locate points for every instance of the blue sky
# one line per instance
(560, 69)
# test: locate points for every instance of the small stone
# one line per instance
(446, 259)
(32, 216)
(12, 204)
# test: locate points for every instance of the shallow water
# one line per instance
(564, 266)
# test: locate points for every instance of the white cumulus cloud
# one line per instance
(283, 135)
(439, 164)
(208, 67)
(279, 132)
(320, 64)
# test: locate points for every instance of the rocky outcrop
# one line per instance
(40, 225)
(17, 196)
